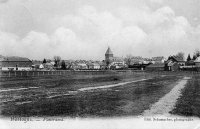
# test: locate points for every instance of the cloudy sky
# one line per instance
(83, 29)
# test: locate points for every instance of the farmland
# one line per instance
(93, 95)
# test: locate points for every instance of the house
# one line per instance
(197, 63)
(74, 65)
(190, 63)
(139, 63)
(93, 65)
(15, 63)
(159, 59)
(102, 64)
(37, 64)
(147, 61)
(41, 66)
(156, 67)
(177, 59)
(171, 66)
(48, 66)
(68, 64)
(82, 66)
(136, 60)
(174, 63)
(117, 62)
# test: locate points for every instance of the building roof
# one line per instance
(16, 64)
(81, 64)
(16, 59)
(93, 64)
(117, 59)
(177, 58)
(48, 64)
(109, 52)
(102, 63)
(136, 58)
(159, 58)
(147, 59)
(197, 59)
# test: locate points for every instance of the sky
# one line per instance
(83, 29)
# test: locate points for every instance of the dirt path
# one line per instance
(109, 86)
(18, 89)
(167, 102)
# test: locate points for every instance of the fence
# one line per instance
(86, 72)
(55, 73)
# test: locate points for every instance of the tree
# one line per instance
(194, 57)
(44, 61)
(197, 53)
(57, 60)
(181, 55)
(128, 59)
(188, 58)
(63, 66)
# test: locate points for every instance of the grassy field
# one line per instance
(60, 95)
(189, 103)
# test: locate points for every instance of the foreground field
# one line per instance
(111, 95)
(189, 103)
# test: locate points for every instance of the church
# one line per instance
(113, 62)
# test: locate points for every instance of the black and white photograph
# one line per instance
(99, 64)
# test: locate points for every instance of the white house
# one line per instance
(82, 66)
(93, 65)
(158, 59)
(41, 66)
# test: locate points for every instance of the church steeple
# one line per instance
(109, 52)
(108, 56)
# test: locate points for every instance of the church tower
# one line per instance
(108, 56)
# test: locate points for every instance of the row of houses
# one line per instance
(78, 64)
(110, 62)
(140, 60)
(175, 63)
(15, 63)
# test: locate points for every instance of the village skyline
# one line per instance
(179, 53)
